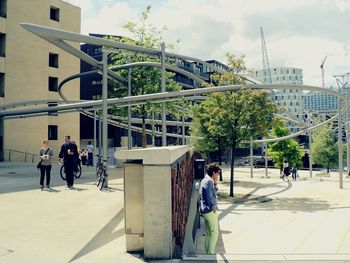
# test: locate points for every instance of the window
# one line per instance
(52, 132)
(53, 84)
(2, 85)
(53, 60)
(96, 97)
(2, 45)
(55, 13)
(3, 8)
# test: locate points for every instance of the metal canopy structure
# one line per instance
(61, 38)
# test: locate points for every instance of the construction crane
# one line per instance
(322, 70)
(265, 59)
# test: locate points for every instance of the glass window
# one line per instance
(2, 45)
(54, 13)
(2, 84)
(3, 7)
(53, 84)
(53, 60)
(52, 132)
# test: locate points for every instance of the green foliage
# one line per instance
(231, 117)
(325, 147)
(144, 80)
(284, 150)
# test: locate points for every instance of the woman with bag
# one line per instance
(46, 155)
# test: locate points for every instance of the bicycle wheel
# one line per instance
(103, 180)
(77, 174)
(99, 179)
(62, 173)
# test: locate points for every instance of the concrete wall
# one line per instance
(156, 164)
(26, 72)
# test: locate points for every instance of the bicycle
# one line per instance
(99, 164)
(76, 173)
(102, 176)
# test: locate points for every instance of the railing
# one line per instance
(14, 155)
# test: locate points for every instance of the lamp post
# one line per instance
(310, 144)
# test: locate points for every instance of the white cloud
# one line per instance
(297, 33)
(108, 20)
(85, 5)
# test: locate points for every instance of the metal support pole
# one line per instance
(95, 144)
(266, 171)
(251, 158)
(104, 110)
(129, 111)
(153, 129)
(347, 147)
(310, 145)
(162, 61)
(99, 133)
(310, 154)
(340, 146)
(183, 126)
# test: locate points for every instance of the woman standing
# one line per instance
(46, 155)
(209, 206)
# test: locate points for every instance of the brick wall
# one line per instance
(182, 174)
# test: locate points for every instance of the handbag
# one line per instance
(39, 164)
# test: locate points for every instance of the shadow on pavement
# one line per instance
(16, 177)
(103, 237)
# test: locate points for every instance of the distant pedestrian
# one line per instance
(46, 154)
(83, 156)
(209, 206)
(286, 170)
(90, 149)
(294, 172)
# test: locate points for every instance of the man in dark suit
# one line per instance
(69, 154)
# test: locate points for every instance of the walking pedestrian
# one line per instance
(286, 170)
(294, 172)
(83, 156)
(209, 206)
(46, 154)
(90, 149)
(69, 154)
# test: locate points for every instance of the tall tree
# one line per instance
(325, 148)
(144, 80)
(234, 117)
(289, 149)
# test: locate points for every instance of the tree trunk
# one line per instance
(327, 169)
(219, 147)
(232, 169)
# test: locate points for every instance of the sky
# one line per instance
(298, 33)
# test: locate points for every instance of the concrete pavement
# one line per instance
(60, 225)
(275, 220)
(269, 220)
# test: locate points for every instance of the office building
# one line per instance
(292, 100)
(30, 69)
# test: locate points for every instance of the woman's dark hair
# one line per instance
(213, 168)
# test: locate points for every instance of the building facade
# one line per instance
(320, 102)
(30, 69)
(291, 100)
